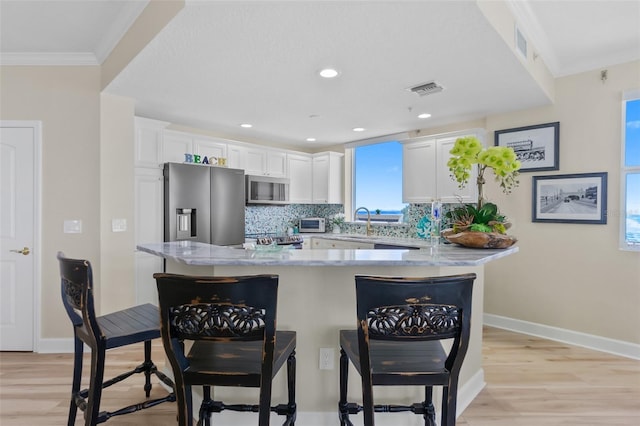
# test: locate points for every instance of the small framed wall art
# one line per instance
(537, 147)
(577, 198)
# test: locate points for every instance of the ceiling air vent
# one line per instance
(427, 88)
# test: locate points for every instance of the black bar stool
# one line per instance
(401, 323)
(231, 322)
(134, 325)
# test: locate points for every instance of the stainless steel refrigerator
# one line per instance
(203, 203)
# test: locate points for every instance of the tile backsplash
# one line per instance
(276, 219)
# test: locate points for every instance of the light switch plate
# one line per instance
(73, 226)
(118, 225)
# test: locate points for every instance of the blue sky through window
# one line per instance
(632, 154)
(378, 177)
(631, 199)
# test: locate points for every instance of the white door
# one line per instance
(17, 236)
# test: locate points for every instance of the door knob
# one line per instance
(25, 251)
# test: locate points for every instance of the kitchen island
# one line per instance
(317, 298)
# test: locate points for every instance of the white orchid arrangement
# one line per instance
(338, 219)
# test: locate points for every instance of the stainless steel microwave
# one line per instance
(267, 190)
(311, 224)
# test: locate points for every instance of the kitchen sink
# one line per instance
(382, 246)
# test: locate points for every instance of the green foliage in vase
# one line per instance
(470, 218)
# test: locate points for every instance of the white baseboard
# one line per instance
(55, 346)
(590, 341)
(468, 392)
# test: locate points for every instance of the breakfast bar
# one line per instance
(316, 298)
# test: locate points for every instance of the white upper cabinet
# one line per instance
(328, 171)
(175, 145)
(148, 142)
(418, 171)
(235, 157)
(212, 149)
(300, 178)
(255, 161)
(448, 190)
(277, 164)
(258, 161)
(178, 147)
(426, 176)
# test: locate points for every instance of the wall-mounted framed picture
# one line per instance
(537, 147)
(577, 198)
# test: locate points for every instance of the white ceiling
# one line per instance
(219, 64)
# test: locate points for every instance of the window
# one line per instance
(378, 181)
(630, 185)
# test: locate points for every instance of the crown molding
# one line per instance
(48, 59)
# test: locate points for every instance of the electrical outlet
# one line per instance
(326, 359)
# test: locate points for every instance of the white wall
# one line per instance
(67, 102)
(571, 276)
(116, 202)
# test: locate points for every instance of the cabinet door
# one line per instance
(148, 142)
(149, 219)
(255, 161)
(175, 145)
(326, 243)
(448, 190)
(419, 171)
(336, 178)
(211, 149)
(234, 157)
(149, 207)
(300, 178)
(276, 164)
(320, 191)
(328, 173)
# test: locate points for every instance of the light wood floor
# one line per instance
(530, 381)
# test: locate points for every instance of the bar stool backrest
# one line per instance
(77, 296)
(412, 309)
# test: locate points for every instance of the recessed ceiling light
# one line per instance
(246, 125)
(425, 115)
(328, 73)
(311, 139)
(358, 129)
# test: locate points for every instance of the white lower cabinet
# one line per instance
(149, 228)
(326, 243)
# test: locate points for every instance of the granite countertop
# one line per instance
(194, 253)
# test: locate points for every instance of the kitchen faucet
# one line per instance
(355, 218)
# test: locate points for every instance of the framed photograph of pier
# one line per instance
(578, 198)
(537, 147)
